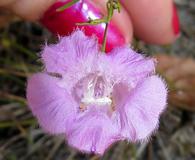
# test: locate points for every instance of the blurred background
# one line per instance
(22, 139)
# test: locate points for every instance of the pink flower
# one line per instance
(96, 99)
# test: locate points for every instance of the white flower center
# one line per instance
(97, 101)
(92, 90)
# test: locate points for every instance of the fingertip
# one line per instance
(63, 23)
(156, 24)
(175, 21)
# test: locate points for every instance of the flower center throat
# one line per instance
(92, 90)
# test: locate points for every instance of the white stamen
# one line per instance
(98, 101)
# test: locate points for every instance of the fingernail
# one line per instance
(63, 23)
(175, 21)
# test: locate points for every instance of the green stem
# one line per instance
(67, 5)
(93, 22)
(105, 38)
(110, 10)
(111, 6)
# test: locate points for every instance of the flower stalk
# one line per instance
(111, 6)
